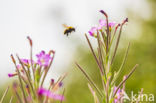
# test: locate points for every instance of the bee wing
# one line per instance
(64, 25)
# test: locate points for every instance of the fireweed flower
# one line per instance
(102, 23)
(12, 74)
(92, 31)
(43, 58)
(60, 84)
(119, 95)
(49, 94)
(27, 62)
(20, 68)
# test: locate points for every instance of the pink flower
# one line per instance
(118, 95)
(19, 67)
(49, 94)
(12, 75)
(104, 23)
(26, 62)
(43, 59)
(92, 31)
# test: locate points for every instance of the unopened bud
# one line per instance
(104, 13)
(27, 89)
(30, 41)
(126, 20)
(117, 26)
(51, 52)
(60, 84)
(52, 81)
(13, 60)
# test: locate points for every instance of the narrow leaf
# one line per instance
(5, 93)
(96, 100)
(121, 67)
(121, 83)
(90, 80)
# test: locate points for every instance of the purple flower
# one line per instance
(104, 13)
(104, 23)
(92, 31)
(60, 84)
(19, 67)
(43, 59)
(118, 95)
(12, 75)
(26, 62)
(52, 81)
(49, 94)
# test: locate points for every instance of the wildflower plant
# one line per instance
(31, 77)
(107, 33)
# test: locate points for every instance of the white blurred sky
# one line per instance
(42, 20)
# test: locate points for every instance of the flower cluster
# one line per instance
(102, 25)
(43, 60)
(31, 75)
(47, 93)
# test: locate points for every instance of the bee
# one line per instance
(68, 29)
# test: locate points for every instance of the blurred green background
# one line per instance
(142, 52)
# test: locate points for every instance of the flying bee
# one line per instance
(68, 29)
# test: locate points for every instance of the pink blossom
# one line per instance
(43, 59)
(49, 94)
(104, 23)
(92, 31)
(12, 75)
(26, 62)
(118, 95)
(19, 67)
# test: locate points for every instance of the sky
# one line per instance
(42, 20)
